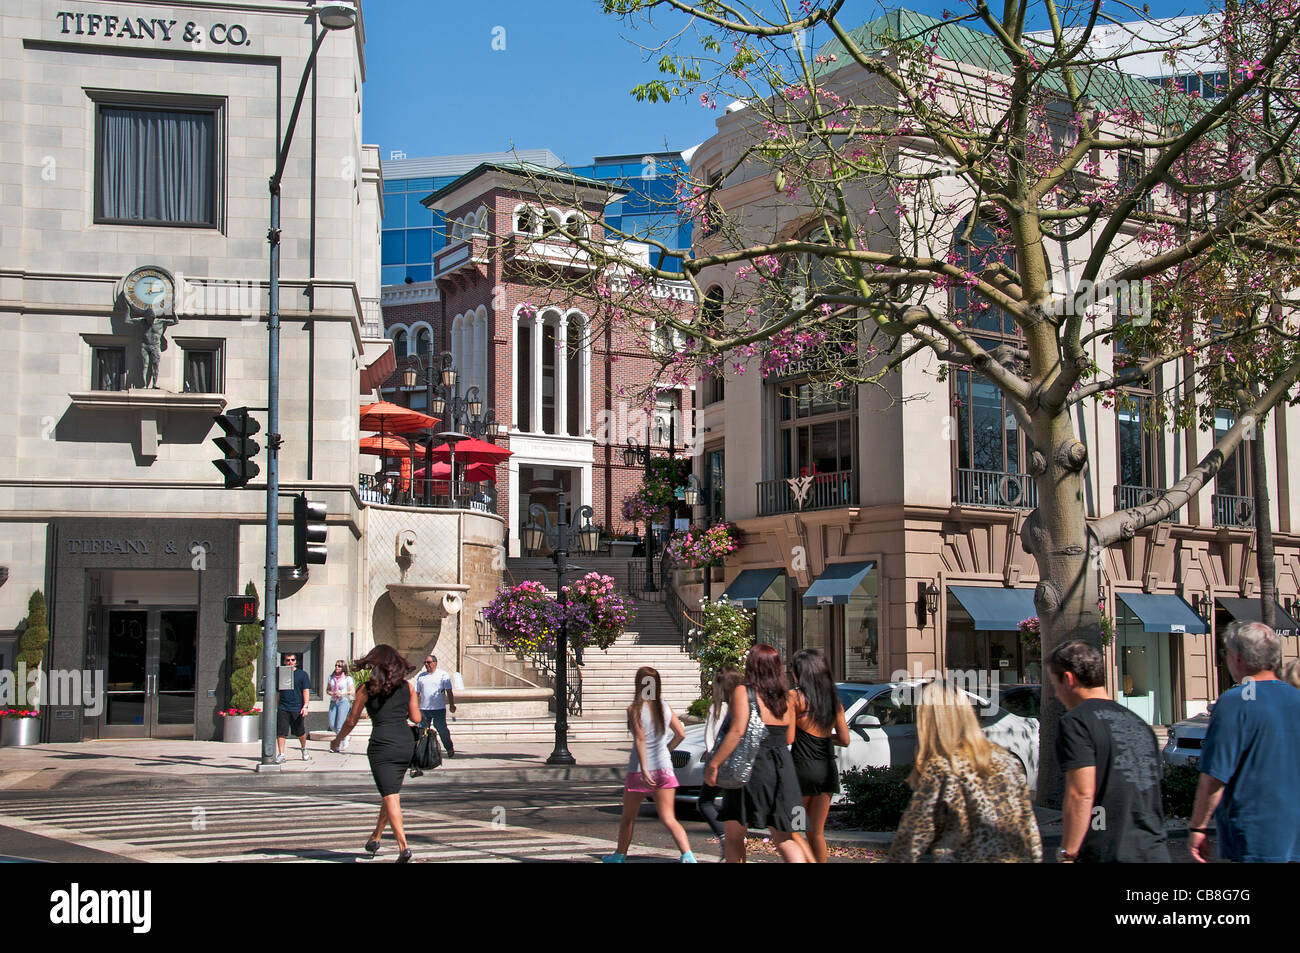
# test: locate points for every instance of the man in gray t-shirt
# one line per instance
(433, 686)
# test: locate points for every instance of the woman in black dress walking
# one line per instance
(390, 701)
(770, 798)
(819, 725)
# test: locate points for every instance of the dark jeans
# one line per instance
(439, 718)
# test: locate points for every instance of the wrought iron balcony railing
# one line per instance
(1236, 511)
(820, 491)
(1016, 491)
(1127, 496)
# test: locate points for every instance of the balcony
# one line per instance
(821, 491)
(441, 494)
(1127, 496)
(1235, 511)
(1004, 490)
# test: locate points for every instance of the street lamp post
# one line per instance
(332, 17)
(558, 538)
(464, 417)
(637, 455)
(693, 497)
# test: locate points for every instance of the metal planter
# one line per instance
(240, 729)
(19, 732)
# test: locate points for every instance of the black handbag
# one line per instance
(427, 754)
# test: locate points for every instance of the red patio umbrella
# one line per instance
(387, 417)
(384, 445)
(474, 473)
(472, 451)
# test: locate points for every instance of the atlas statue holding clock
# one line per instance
(150, 296)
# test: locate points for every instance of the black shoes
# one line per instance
(404, 856)
(372, 847)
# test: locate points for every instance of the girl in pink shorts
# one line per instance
(657, 731)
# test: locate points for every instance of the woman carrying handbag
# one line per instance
(762, 721)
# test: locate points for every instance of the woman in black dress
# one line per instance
(819, 725)
(390, 702)
(770, 798)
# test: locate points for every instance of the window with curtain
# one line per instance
(202, 370)
(108, 368)
(156, 167)
(423, 342)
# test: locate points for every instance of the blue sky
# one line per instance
(436, 85)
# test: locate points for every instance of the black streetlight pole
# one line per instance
(636, 454)
(559, 537)
(331, 17)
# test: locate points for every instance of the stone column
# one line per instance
(535, 398)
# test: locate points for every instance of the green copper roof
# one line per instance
(1105, 85)
(527, 169)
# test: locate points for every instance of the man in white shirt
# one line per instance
(434, 688)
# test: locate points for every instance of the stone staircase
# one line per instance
(608, 677)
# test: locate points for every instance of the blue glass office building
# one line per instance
(412, 234)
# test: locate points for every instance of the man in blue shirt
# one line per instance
(1250, 759)
(291, 713)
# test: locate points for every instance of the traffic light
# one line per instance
(238, 445)
(309, 532)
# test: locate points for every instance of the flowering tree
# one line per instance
(991, 193)
(723, 639)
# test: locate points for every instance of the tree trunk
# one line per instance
(1265, 560)
(1069, 563)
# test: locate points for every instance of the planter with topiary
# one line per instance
(21, 726)
(240, 722)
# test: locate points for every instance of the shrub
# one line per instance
(700, 707)
(723, 640)
(31, 647)
(1178, 790)
(876, 797)
(248, 646)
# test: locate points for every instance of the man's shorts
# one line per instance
(289, 723)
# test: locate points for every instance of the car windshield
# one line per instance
(850, 695)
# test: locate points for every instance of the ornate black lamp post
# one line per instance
(637, 455)
(559, 537)
(464, 419)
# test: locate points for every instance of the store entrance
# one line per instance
(150, 657)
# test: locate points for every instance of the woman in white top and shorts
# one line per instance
(657, 731)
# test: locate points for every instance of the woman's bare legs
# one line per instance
(816, 808)
(791, 851)
(627, 823)
(383, 819)
(393, 805)
(665, 799)
(735, 842)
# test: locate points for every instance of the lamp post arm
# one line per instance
(282, 157)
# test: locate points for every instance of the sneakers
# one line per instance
(613, 858)
(347, 743)
(688, 858)
(305, 755)
(279, 758)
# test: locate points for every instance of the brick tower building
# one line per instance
(562, 388)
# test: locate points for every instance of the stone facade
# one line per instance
(122, 457)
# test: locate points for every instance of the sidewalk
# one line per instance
(212, 763)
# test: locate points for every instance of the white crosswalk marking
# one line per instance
(239, 827)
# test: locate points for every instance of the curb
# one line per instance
(254, 780)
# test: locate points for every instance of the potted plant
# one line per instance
(21, 726)
(239, 722)
(704, 550)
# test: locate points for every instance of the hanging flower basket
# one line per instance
(695, 549)
(528, 620)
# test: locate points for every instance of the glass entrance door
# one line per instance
(151, 659)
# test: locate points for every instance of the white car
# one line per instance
(882, 733)
(1183, 747)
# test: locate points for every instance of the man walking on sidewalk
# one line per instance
(1112, 811)
(434, 689)
(291, 715)
(1250, 759)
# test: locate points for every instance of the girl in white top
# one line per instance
(341, 689)
(725, 682)
(657, 731)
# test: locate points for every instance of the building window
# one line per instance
(203, 370)
(715, 486)
(156, 167)
(818, 424)
(108, 368)
(423, 342)
(1233, 478)
(399, 344)
(666, 426)
(1130, 174)
(1139, 445)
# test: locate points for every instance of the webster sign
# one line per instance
(108, 27)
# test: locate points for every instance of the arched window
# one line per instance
(572, 225)
(399, 343)
(423, 342)
(525, 220)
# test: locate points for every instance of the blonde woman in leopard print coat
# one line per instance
(970, 801)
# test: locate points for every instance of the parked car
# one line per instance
(882, 733)
(1183, 747)
(1024, 700)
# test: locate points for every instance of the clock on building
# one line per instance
(151, 289)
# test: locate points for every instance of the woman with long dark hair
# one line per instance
(819, 725)
(650, 766)
(770, 798)
(725, 682)
(390, 701)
